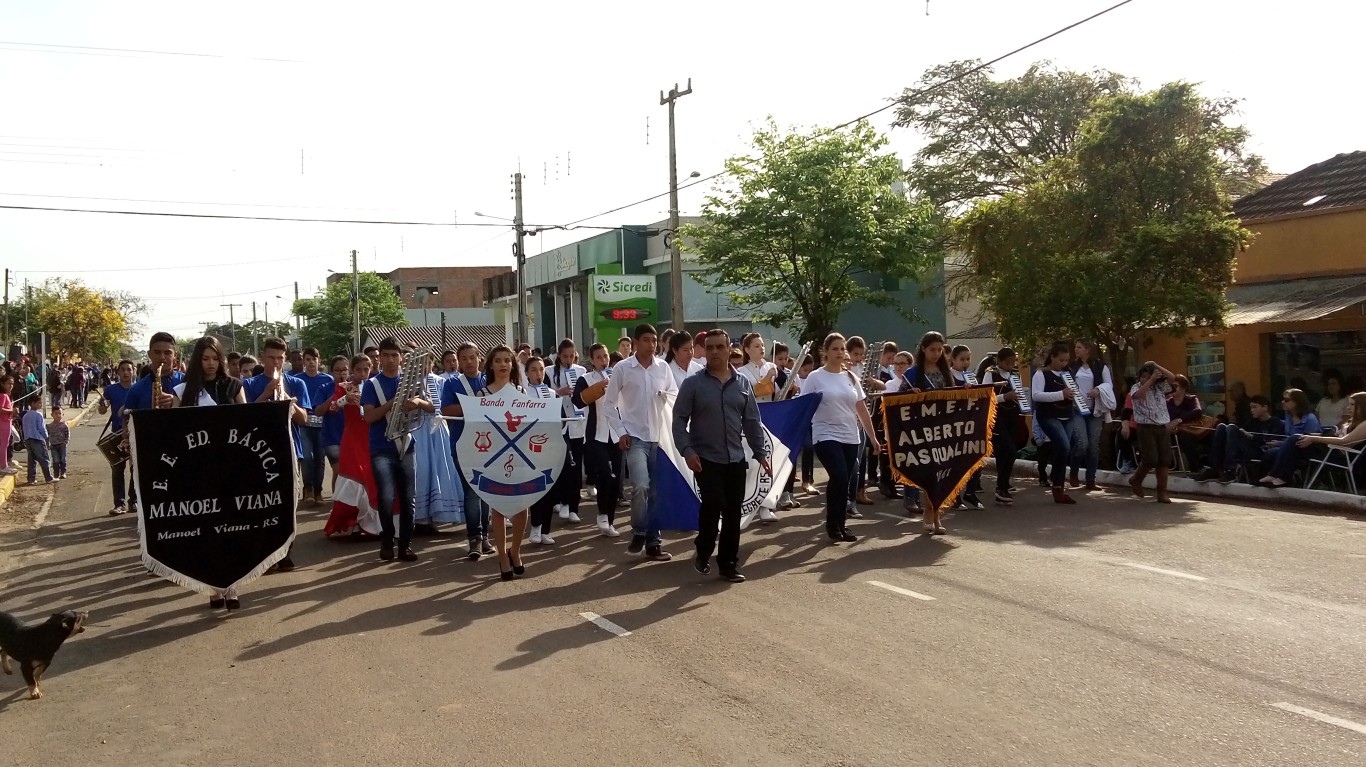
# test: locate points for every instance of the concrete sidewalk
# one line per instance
(8, 481)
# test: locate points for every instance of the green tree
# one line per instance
(240, 336)
(800, 216)
(79, 321)
(1131, 231)
(328, 316)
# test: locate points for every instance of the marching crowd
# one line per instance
(612, 428)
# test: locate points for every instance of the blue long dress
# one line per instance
(439, 498)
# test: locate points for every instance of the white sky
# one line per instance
(421, 111)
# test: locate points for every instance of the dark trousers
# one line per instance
(605, 468)
(1004, 448)
(808, 463)
(570, 483)
(722, 490)
(1230, 447)
(841, 464)
(395, 481)
(543, 510)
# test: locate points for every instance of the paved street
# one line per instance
(1113, 632)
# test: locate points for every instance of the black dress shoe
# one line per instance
(285, 565)
(216, 603)
(834, 535)
(701, 565)
(233, 604)
(407, 555)
(847, 536)
(890, 492)
(517, 567)
(386, 551)
(733, 576)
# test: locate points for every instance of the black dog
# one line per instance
(34, 646)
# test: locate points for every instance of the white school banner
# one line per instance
(511, 450)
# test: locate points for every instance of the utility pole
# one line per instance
(519, 254)
(298, 324)
(254, 352)
(355, 302)
(232, 328)
(675, 254)
(7, 338)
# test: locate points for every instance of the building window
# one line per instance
(1301, 360)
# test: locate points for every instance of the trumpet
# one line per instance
(156, 385)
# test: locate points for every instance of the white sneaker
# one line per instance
(563, 510)
(605, 527)
(592, 492)
(786, 502)
(545, 540)
(574, 518)
(766, 514)
(535, 536)
(507, 522)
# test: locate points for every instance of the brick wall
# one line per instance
(457, 286)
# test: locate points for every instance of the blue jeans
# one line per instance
(37, 456)
(1059, 433)
(395, 482)
(1085, 434)
(641, 460)
(333, 453)
(841, 464)
(313, 464)
(59, 459)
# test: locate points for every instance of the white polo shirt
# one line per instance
(634, 397)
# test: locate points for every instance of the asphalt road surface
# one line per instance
(1113, 632)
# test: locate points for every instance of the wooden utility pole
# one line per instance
(519, 256)
(232, 328)
(675, 254)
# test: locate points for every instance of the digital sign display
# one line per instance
(625, 314)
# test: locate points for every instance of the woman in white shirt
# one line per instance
(835, 432)
(543, 510)
(760, 372)
(680, 356)
(604, 459)
(1096, 385)
(563, 376)
(1333, 410)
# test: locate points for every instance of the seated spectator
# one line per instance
(1185, 408)
(1355, 431)
(1334, 409)
(1286, 455)
(1234, 444)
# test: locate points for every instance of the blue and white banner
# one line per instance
(511, 450)
(786, 424)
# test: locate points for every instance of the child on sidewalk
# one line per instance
(35, 437)
(58, 435)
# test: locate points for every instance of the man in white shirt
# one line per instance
(634, 400)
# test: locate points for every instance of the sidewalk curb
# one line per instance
(1320, 499)
(8, 483)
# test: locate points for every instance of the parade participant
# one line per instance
(355, 501)
(699, 347)
(1054, 410)
(783, 359)
(960, 365)
(467, 380)
(714, 409)
(373, 353)
(564, 376)
(206, 383)
(625, 347)
(633, 399)
(160, 355)
(320, 386)
(761, 373)
(235, 364)
(603, 456)
(501, 375)
(450, 363)
(835, 431)
(680, 357)
(7, 426)
(1154, 424)
(273, 384)
(438, 490)
(1003, 445)
(112, 400)
(543, 510)
(857, 350)
(1096, 385)
(808, 449)
(930, 371)
(249, 367)
(1285, 456)
(392, 461)
(328, 407)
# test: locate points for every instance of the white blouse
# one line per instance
(836, 417)
(756, 373)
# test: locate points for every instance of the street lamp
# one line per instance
(423, 296)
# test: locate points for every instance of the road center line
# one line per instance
(1172, 573)
(1345, 724)
(604, 624)
(901, 591)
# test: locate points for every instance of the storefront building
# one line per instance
(1298, 305)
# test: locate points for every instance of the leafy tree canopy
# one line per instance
(80, 321)
(328, 315)
(800, 216)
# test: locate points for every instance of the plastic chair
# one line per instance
(1342, 457)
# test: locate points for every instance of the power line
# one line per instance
(169, 268)
(216, 295)
(183, 202)
(265, 218)
(77, 49)
(891, 103)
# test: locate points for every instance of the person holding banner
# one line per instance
(634, 400)
(601, 450)
(354, 495)
(835, 430)
(714, 409)
(394, 463)
(503, 374)
(1055, 409)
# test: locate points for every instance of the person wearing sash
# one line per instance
(931, 371)
(355, 501)
(715, 413)
(563, 378)
(207, 384)
(325, 407)
(1055, 410)
(1003, 445)
(634, 399)
(857, 350)
(603, 455)
(763, 379)
(467, 380)
(393, 462)
(680, 357)
(1096, 385)
(161, 355)
(438, 491)
(960, 365)
(501, 373)
(273, 384)
(320, 386)
(543, 510)
(112, 400)
(835, 431)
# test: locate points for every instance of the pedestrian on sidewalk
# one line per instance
(1155, 427)
(35, 437)
(58, 435)
(6, 424)
(714, 408)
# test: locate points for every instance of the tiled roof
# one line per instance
(1311, 298)
(483, 336)
(1339, 182)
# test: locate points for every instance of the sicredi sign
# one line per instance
(613, 289)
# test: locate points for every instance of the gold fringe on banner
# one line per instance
(961, 393)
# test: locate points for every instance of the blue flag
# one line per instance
(786, 425)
